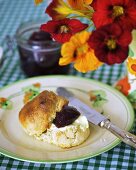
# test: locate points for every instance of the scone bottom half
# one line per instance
(45, 111)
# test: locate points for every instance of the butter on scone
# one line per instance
(49, 118)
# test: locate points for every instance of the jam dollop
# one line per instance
(66, 116)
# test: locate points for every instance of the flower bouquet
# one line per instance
(106, 37)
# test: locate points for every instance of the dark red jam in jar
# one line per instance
(39, 54)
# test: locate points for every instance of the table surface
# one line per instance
(12, 13)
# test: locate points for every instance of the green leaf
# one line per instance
(132, 96)
(131, 53)
(34, 94)
(99, 103)
(100, 96)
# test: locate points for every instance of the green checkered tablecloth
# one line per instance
(12, 13)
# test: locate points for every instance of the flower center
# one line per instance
(82, 49)
(117, 11)
(111, 44)
(64, 29)
(133, 66)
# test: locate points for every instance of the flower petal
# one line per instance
(65, 60)
(125, 38)
(76, 25)
(68, 49)
(79, 4)
(52, 12)
(50, 26)
(67, 53)
(86, 63)
(118, 56)
(62, 38)
(80, 38)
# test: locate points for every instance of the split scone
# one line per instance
(49, 118)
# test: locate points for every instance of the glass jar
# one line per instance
(39, 54)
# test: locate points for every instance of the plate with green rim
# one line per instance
(15, 143)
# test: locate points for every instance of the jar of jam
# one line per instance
(39, 53)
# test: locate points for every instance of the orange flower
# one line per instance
(123, 86)
(131, 64)
(79, 4)
(37, 2)
(78, 51)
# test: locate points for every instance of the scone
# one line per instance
(49, 118)
(68, 136)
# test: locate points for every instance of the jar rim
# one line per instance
(32, 25)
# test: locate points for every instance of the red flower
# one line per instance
(110, 43)
(122, 12)
(62, 30)
(94, 4)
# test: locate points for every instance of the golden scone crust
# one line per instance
(37, 115)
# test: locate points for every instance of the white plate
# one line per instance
(15, 143)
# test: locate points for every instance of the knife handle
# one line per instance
(125, 136)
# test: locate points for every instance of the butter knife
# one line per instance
(97, 118)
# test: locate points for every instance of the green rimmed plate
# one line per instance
(15, 143)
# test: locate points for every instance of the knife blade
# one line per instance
(97, 118)
(92, 115)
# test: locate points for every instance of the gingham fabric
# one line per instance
(14, 12)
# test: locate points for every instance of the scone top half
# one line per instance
(37, 115)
